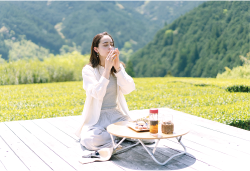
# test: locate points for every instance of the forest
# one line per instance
(199, 44)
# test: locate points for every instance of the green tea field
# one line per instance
(223, 100)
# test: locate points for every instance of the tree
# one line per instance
(129, 69)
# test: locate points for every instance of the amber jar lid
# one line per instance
(153, 110)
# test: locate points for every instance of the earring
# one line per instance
(97, 55)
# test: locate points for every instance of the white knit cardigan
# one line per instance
(95, 86)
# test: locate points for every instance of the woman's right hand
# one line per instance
(109, 61)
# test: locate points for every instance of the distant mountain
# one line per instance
(198, 44)
(161, 12)
(53, 24)
(15, 21)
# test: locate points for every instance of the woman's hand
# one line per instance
(109, 61)
(117, 60)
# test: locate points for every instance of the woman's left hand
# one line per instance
(117, 60)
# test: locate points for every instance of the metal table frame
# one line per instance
(150, 153)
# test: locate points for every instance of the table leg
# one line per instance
(156, 145)
(119, 143)
(112, 138)
(153, 157)
(115, 146)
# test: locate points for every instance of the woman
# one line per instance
(105, 82)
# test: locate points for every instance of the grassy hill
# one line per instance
(198, 44)
(161, 12)
(15, 22)
(54, 24)
(79, 21)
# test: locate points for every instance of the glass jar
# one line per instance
(167, 126)
(153, 121)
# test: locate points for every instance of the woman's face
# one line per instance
(104, 46)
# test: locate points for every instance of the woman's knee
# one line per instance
(94, 138)
(101, 139)
(87, 143)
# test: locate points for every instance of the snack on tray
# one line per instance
(141, 123)
(144, 119)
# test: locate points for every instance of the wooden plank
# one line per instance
(191, 119)
(55, 132)
(74, 123)
(71, 155)
(223, 134)
(138, 159)
(229, 143)
(232, 148)
(77, 118)
(196, 164)
(210, 148)
(63, 124)
(115, 159)
(42, 135)
(107, 166)
(181, 116)
(213, 125)
(184, 159)
(2, 167)
(9, 158)
(204, 154)
(169, 151)
(45, 153)
(192, 136)
(232, 143)
(223, 139)
(213, 160)
(31, 160)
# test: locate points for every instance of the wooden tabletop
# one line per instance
(121, 129)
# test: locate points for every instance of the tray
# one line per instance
(132, 126)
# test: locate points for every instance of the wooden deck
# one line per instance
(50, 144)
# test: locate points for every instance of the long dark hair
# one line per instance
(93, 60)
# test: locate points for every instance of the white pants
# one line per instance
(97, 137)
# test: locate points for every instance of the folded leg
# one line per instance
(96, 138)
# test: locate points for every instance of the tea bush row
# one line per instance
(33, 101)
(59, 68)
